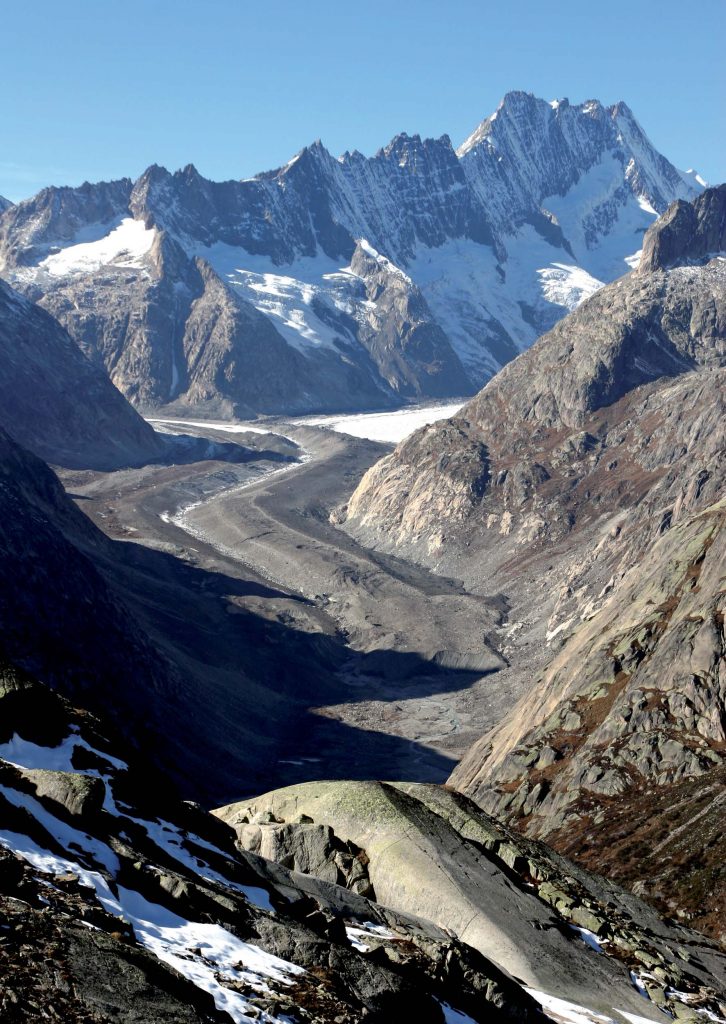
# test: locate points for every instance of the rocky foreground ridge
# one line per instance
(344, 283)
(120, 902)
(432, 852)
(586, 483)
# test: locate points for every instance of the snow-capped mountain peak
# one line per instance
(694, 178)
(541, 204)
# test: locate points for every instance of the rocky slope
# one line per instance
(146, 638)
(120, 902)
(414, 273)
(56, 403)
(617, 754)
(578, 943)
(61, 616)
(585, 483)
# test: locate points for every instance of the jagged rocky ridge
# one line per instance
(586, 483)
(345, 283)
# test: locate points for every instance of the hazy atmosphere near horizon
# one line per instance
(239, 88)
(362, 512)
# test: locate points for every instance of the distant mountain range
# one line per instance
(351, 282)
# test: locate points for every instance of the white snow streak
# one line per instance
(452, 1016)
(25, 754)
(203, 953)
(224, 425)
(565, 1012)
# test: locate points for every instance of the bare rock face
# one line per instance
(687, 231)
(56, 402)
(127, 320)
(632, 707)
(306, 847)
(226, 343)
(396, 495)
(585, 483)
(411, 351)
(80, 795)
(432, 852)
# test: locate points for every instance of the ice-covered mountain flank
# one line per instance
(349, 282)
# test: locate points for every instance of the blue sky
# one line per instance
(97, 89)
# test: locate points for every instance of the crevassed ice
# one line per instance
(567, 285)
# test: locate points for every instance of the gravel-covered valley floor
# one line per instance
(417, 672)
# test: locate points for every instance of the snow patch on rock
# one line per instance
(125, 245)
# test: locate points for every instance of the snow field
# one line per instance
(391, 427)
(125, 245)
